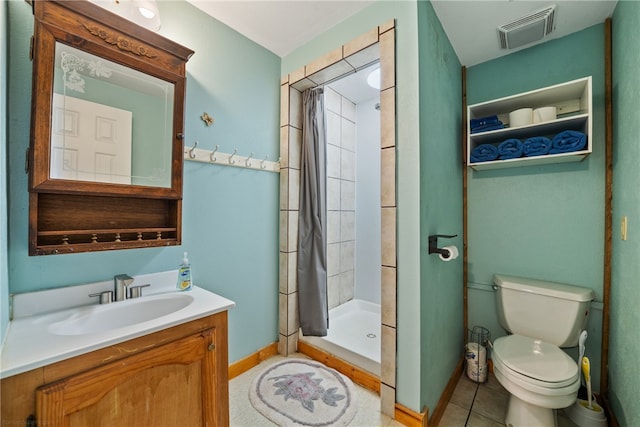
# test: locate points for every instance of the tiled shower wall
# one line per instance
(379, 43)
(341, 197)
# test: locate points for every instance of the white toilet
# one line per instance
(542, 316)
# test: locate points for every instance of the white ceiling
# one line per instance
(470, 25)
(283, 26)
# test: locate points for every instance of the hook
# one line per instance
(231, 161)
(248, 161)
(191, 153)
(262, 166)
(213, 159)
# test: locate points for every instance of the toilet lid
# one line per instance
(535, 359)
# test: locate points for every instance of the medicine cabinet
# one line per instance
(573, 104)
(105, 157)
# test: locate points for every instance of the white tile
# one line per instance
(348, 135)
(347, 195)
(283, 270)
(348, 165)
(333, 161)
(295, 108)
(347, 288)
(293, 324)
(348, 109)
(347, 226)
(292, 279)
(284, 189)
(333, 291)
(347, 256)
(333, 132)
(332, 100)
(282, 318)
(295, 145)
(333, 259)
(333, 227)
(283, 231)
(333, 194)
(292, 238)
(293, 190)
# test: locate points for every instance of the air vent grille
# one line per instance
(527, 29)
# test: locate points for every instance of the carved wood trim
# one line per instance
(120, 42)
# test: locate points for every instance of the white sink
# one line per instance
(101, 318)
(56, 324)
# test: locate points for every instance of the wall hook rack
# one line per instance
(234, 159)
(433, 243)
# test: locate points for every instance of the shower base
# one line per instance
(353, 335)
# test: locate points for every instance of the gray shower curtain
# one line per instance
(312, 223)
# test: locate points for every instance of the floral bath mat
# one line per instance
(300, 392)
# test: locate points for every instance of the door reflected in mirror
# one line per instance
(110, 123)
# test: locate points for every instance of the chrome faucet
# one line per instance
(121, 282)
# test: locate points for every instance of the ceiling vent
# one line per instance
(527, 29)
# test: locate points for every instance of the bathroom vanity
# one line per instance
(166, 371)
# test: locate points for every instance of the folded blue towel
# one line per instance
(484, 153)
(536, 146)
(486, 128)
(510, 149)
(568, 141)
(484, 124)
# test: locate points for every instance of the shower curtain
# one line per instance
(312, 222)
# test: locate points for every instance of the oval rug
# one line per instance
(300, 392)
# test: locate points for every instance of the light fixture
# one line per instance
(149, 15)
(373, 79)
(142, 12)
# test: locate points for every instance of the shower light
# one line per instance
(142, 12)
(373, 79)
(149, 14)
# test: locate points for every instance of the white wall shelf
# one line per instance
(573, 103)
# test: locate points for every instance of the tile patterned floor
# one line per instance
(482, 405)
(476, 405)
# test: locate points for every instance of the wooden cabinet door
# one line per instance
(170, 385)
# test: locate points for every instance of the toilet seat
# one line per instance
(535, 363)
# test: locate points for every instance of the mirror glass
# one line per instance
(109, 123)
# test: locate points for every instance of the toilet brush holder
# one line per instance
(582, 415)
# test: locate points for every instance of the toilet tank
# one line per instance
(552, 312)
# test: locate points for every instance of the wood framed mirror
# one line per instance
(105, 157)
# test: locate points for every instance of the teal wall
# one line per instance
(544, 222)
(441, 320)
(230, 215)
(4, 274)
(624, 370)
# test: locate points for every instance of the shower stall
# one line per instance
(353, 222)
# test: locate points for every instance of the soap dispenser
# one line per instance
(184, 275)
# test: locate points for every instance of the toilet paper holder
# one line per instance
(433, 244)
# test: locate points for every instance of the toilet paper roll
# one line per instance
(476, 353)
(453, 253)
(476, 356)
